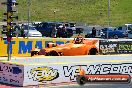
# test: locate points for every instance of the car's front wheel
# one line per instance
(81, 80)
(34, 53)
(93, 51)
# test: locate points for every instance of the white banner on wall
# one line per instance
(36, 71)
(58, 73)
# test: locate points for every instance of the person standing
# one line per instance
(22, 32)
(17, 30)
(54, 32)
(93, 32)
(63, 31)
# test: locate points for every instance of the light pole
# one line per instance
(54, 30)
(28, 17)
(108, 19)
(55, 10)
(54, 15)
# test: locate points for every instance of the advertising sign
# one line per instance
(60, 73)
(11, 74)
(115, 47)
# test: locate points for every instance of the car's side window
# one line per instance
(44, 25)
(130, 32)
(120, 28)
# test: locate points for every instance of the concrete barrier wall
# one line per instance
(60, 73)
(64, 69)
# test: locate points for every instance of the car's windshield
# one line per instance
(30, 27)
(72, 24)
(105, 29)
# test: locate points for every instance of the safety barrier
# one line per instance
(52, 70)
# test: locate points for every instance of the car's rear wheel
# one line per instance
(81, 80)
(93, 51)
(34, 53)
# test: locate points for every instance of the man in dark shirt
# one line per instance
(93, 32)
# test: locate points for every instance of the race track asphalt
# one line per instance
(77, 86)
(98, 86)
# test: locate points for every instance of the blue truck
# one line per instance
(47, 28)
(112, 33)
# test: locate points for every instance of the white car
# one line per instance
(31, 32)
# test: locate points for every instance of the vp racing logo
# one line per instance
(98, 69)
(41, 74)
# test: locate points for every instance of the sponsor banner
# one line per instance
(23, 46)
(110, 78)
(11, 73)
(54, 73)
(115, 47)
(60, 73)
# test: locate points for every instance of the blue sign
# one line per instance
(16, 70)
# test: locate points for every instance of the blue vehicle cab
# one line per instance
(112, 33)
(45, 28)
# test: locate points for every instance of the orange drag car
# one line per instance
(77, 47)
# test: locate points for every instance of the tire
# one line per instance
(34, 53)
(81, 80)
(103, 37)
(115, 37)
(93, 51)
(47, 54)
(52, 53)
